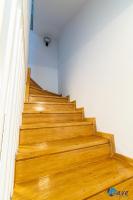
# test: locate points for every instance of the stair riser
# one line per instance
(61, 117)
(55, 163)
(48, 107)
(36, 91)
(47, 99)
(34, 85)
(34, 136)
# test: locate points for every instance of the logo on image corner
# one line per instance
(114, 192)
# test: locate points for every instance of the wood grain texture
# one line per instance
(110, 137)
(54, 131)
(76, 183)
(124, 186)
(44, 107)
(62, 155)
(59, 162)
(35, 84)
(63, 116)
(43, 98)
(39, 91)
(124, 158)
(58, 146)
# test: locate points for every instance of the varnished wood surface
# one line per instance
(124, 158)
(57, 124)
(62, 156)
(75, 184)
(43, 98)
(57, 146)
(44, 107)
(35, 84)
(110, 137)
(122, 187)
(29, 135)
(37, 91)
(59, 162)
(33, 90)
(63, 116)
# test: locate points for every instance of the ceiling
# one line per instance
(51, 15)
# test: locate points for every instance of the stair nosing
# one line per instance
(53, 125)
(48, 96)
(54, 112)
(78, 147)
(51, 103)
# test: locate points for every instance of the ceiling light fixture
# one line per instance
(47, 40)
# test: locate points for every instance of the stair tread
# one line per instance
(57, 124)
(51, 103)
(32, 82)
(57, 146)
(48, 96)
(60, 155)
(55, 112)
(35, 87)
(43, 90)
(80, 182)
(49, 106)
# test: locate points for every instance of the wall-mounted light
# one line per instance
(47, 40)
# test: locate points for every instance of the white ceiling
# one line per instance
(51, 15)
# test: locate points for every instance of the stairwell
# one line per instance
(61, 154)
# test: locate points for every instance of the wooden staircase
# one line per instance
(61, 154)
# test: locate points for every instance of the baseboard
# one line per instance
(110, 137)
(124, 158)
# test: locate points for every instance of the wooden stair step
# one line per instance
(49, 98)
(76, 183)
(34, 150)
(39, 133)
(36, 90)
(55, 116)
(125, 187)
(55, 162)
(49, 106)
(57, 124)
(62, 156)
(34, 84)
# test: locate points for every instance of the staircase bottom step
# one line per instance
(124, 189)
(78, 183)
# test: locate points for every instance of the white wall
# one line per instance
(14, 29)
(43, 62)
(96, 66)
